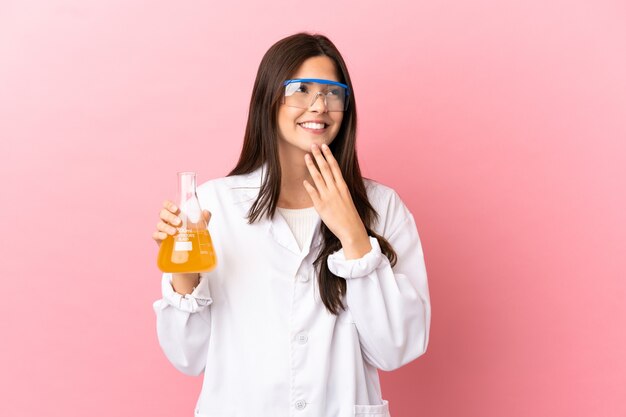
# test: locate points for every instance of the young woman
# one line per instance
(305, 304)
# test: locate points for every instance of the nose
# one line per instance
(315, 104)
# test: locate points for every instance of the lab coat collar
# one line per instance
(245, 189)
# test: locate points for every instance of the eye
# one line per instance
(296, 87)
(302, 88)
(334, 92)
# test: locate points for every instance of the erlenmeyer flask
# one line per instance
(191, 248)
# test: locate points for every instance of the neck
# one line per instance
(293, 172)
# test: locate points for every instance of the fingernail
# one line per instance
(324, 146)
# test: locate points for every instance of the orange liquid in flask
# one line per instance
(187, 251)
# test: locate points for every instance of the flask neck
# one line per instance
(186, 185)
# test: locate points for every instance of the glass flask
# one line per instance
(191, 248)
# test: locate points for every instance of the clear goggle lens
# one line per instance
(303, 93)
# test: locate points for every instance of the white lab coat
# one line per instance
(256, 325)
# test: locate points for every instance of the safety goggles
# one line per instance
(303, 93)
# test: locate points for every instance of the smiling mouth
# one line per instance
(313, 127)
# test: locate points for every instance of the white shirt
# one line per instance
(301, 222)
(256, 325)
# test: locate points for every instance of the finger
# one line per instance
(332, 163)
(170, 206)
(159, 236)
(167, 216)
(207, 215)
(166, 228)
(315, 174)
(324, 167)
(312, 192)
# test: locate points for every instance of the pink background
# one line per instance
(500, 123)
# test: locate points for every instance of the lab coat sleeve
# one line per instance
(390, 306)
(184, 324)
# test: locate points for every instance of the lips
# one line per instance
(313, 125)
(312, 130)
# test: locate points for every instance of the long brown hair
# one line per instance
(260, 145)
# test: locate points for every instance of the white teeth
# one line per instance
(311, 125)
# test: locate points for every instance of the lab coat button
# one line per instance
(302, 338)
(300, 404)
